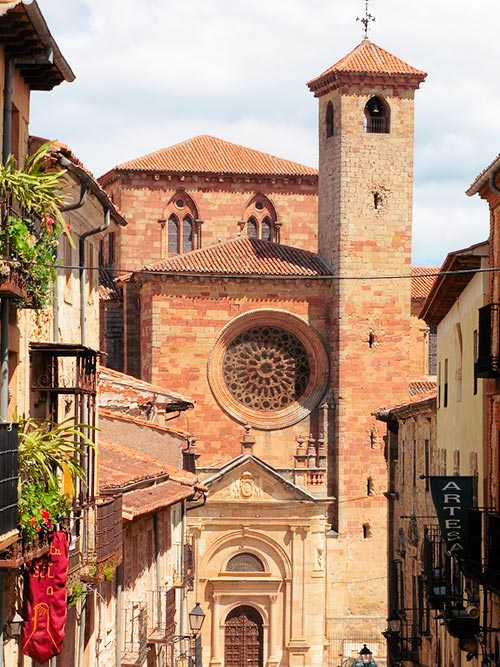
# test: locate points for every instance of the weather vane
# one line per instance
(367, 19)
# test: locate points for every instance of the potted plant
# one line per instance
(46, 452)
(29, 236)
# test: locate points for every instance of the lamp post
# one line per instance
(365, 658)
(196, 618)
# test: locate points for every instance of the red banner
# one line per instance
(45, 598)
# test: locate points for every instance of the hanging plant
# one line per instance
(46, 450)
(29, 239)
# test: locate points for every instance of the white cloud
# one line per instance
(152, 73)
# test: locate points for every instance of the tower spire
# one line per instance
(368, 18)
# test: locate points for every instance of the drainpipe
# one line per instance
(119, 591)
(10, 65)
(160, 612)
(71, 207)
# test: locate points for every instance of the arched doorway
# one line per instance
(243, 639)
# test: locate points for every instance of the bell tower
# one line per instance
(366, 139)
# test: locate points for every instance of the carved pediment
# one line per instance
(247, 479)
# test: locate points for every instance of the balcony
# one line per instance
(183, 566)
(436, 567)
(459, 624)
(8, 484)
(161, 616)
(135, 631)
(488, 356)
(103, 544)
(491, 574)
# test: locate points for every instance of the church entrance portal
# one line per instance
(243, 641)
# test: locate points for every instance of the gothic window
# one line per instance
(260, 218)
(377, 116)
(173, 235)
(266, 230)
(252, 228)
(245, 562)
(187, 234)
(182, 234)
(329, 120)
(268, 368)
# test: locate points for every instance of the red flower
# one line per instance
(33, 521)
(49, 222)
(45, 514)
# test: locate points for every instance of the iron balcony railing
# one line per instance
(9, 474)
(488, 355)
(161, 615)
(135, 634)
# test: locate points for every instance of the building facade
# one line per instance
(284, 330)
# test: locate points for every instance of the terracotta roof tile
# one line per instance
(143, 501)
(140, 421)
(120, 467)
(367, 57)
(422, 280)
(206, 154)
(119, 391)
(419, 388)
(245, 257)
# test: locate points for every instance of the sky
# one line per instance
(152, 73)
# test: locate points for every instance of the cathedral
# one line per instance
(278, 298)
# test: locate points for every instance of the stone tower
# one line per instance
(365, 206)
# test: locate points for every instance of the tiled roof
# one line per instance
(108, 289)
(424, 400)
(422, 280)
(484, 176)
(206, 154)
(367, 58)
(119, 391)
(457, 271)
(418, 388)
(143, 501)
(245, 257)
(140, 421)
(121, 467)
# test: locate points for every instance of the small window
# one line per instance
(252, 228)
(187, 234)
(261, 219)
(266, 230)
(245, 562)
(173, 234)
(329, 120)
(377, 116)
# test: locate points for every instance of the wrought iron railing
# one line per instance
(135, 634)
(8, 482)
(161, 615)
(487, 364)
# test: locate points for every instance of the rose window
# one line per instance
(266, 368)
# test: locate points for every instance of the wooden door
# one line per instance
(243, 638)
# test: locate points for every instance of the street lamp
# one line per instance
(366, 655)
(196, 618)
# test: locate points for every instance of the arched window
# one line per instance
(245, 562)
(183, 230)
(173, 235)
(329, 120)
(260, 218)
(266, 230)
(252, 228)
(377, 116)
(187, 234)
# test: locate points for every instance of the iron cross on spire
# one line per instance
(367, 19)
